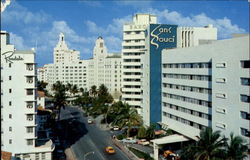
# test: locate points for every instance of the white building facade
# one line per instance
(133, 46)
(105, 69)
(207, 86)
(18, 103)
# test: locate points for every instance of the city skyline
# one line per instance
(38, 24)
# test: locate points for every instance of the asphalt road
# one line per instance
(84, 138)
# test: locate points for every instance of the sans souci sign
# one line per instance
(163, 36)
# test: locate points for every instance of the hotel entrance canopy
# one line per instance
(170, 139)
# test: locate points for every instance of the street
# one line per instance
(84, 138)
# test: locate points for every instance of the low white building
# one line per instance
(205, 86)
(19, 103)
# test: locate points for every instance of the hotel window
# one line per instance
(220, 95)
(29, 142)
(245, 115)
(10, 90)
(220, 65)
(10, 129)
(245, 81)
(29, 129)
(10, 103)
(29, 117)
(29, 79)
(29, 91)
(10, 141)
(29, 67)
(245, 64)
(43, 156)
(37, 156)
(10, 116)
(220, 80)
(245, 132)
(245, 98)
(10, 77)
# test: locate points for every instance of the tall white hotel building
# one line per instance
(103, 68)
(133, 47)
(19, 105)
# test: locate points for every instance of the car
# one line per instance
(116, 128)
(128, 140)
(90, 121)
(110, 150)
(143, 142)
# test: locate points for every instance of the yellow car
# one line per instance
(110, 150)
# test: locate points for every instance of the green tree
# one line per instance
(74, 89)
(236, 149)
(210, 146)
(59, 97)
(128, 117)
(151, 131)
(142, 132)
(68, 86)
(93, 90)
(41, 86)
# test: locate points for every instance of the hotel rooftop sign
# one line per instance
(162, 36)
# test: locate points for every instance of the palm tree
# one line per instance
(151, 131)
(59, 96)
(142, 132)
(74, 89)
(68, 86)
(128, 117)
(236, 148)
(93, 90)
(210, 146)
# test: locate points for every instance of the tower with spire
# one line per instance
(62, 54)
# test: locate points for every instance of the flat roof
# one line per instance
(170, 139)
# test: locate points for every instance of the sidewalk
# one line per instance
(69, 154)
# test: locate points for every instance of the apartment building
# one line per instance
(207, 86)
(133, 46)
(18, 104)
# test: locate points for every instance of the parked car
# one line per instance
(90, 121)
(116, 128)
(110, 150)
(143, 142)
(128, 140)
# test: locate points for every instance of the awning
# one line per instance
(170, 139)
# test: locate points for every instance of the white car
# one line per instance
(90, 121)
(116, 128)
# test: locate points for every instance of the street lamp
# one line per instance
(86, 154)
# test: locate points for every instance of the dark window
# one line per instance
(29, 91)
(10, 90)
(245, 98)
(245, 81)
(10, 103)
(9, 77)
(245, 64)
(244, 115)
(245, 132)
(10, 116)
